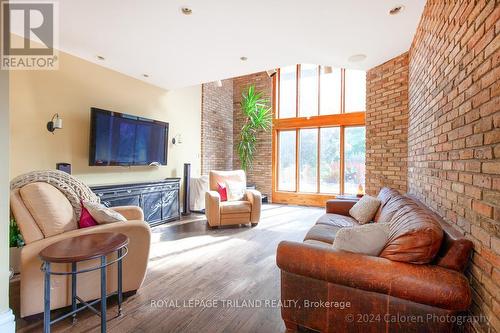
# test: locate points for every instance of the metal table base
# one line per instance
(75, 300)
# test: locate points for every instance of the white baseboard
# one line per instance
(7, 322)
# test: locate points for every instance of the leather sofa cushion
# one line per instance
(384, 196)
(317, 242)
(337, 220)
(50, 209)
(392, 206)
(323, 233)
(414, 236)
(233, 207)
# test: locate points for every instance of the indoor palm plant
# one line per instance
(258, 117)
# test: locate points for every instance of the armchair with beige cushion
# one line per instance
(220, 213)
(44, 216)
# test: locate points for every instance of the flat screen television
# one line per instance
(122, 139)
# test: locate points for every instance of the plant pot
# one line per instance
(15, 259)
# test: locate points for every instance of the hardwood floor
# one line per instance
(230, 269)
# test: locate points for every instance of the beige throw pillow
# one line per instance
(103, 214)
(235, 190)
(369, 239)
(365, 209)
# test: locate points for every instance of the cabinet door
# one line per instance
(170, 205)
(132, 200)
(152, 204)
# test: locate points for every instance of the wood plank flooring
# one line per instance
(230, 269)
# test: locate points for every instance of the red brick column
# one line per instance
(387, 125)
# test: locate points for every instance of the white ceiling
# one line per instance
(153, 37)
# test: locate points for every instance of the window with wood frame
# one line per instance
(318, 133)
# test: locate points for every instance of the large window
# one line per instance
(319, 132)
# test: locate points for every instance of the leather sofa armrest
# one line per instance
(425, 284)
(255, 199)
(130, 212)
(341, 207)
(212, 208)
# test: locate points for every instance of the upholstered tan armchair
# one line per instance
(243, 211)
(44, 216)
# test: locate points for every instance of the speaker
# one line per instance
(187, 189)
(65, 167)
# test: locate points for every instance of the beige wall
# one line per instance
(4, 192)
(71, 91)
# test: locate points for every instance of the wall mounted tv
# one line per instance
(122, 139)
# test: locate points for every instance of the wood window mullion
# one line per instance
(342, 138)
(297, 89)
(342, 90)
(342, 160)
(277, 86)
(318, 161)
(319, 90)
(297, 168)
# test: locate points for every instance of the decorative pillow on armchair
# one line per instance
(236, 190)
(103, 214)
(365, 209)
(222, 189)
(86, 220)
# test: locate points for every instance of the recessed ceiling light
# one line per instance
(145, 75)
(357, 58)
(243, 58)
(100, 58)
(186, 11)
(396, 10)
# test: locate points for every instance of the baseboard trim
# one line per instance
(7, 322)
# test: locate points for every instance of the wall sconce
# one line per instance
(54, 123)
(177, 139)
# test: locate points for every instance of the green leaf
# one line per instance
(258, 117)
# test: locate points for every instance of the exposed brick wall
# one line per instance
(217, 127)
(387, 125)
(454, 133)
(261, 173)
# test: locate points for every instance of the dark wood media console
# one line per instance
(159, 200)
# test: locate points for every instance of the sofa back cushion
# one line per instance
(455, 248)
(50, 209)
(392, 206)
(216, 177)
(384, 196)
(414, 236)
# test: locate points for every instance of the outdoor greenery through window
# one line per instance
(320, 130)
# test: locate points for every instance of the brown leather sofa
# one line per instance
(44, 216)
(360, 293)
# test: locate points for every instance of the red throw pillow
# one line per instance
(86, 220)
(221, 188)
